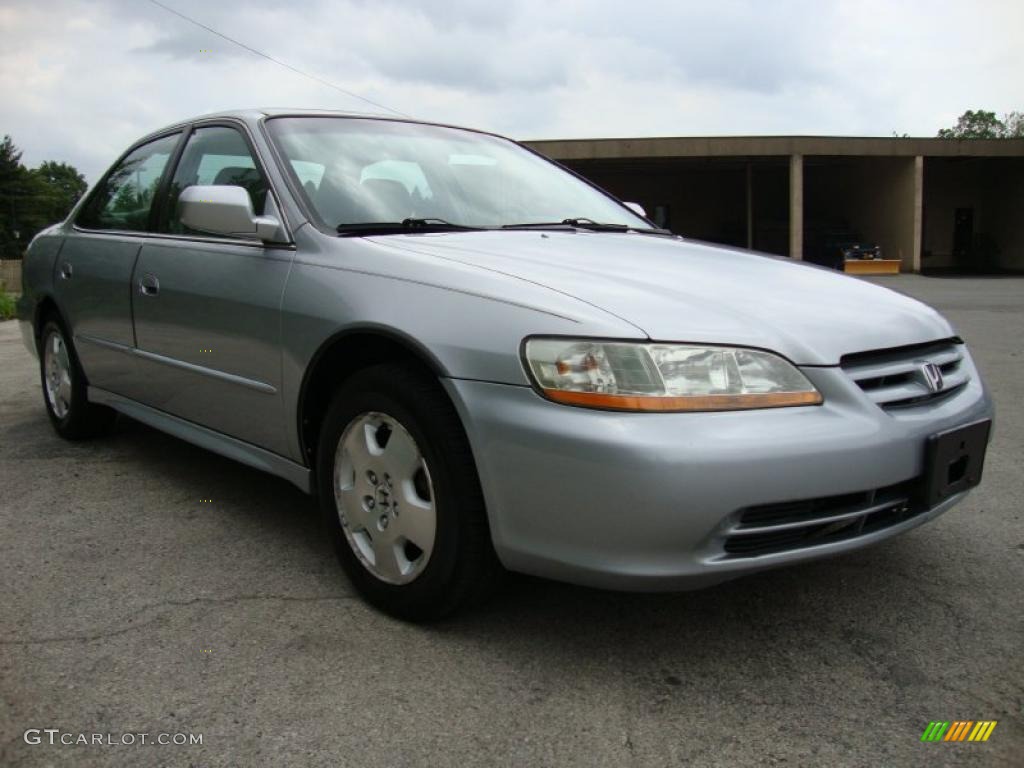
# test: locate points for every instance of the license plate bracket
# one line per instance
(954, 460)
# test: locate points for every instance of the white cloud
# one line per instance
(80, 80)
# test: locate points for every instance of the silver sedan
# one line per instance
(479, 361)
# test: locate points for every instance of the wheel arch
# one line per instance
(45, 306)
(344, 353)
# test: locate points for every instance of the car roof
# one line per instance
(254, 115)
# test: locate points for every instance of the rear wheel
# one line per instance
(64, 388)
(400, 495)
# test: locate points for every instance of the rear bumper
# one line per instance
(28, 337)
(645, 501)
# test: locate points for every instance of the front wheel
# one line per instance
(401, 497)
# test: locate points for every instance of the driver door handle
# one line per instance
(149, 285)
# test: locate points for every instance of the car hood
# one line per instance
(678, 290)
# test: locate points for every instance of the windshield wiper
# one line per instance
(397, 227)
(589, 224)
(417, 223)
(585, 223)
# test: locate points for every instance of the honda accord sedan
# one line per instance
(479, 362)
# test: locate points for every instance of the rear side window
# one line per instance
(219, 156)
(124, 199)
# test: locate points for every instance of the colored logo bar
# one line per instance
(959, 730)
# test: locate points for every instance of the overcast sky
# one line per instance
(81, 79)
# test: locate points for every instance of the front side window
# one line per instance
(124, 199)
(217, 156)
(359, 171)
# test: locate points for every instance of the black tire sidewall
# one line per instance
(425, 596)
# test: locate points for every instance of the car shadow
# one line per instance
(780, 617)
(246, 496)
(795, 621)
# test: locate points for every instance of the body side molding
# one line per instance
(241, 381)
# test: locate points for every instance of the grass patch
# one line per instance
(6, 306)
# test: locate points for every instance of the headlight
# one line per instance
(633, 376)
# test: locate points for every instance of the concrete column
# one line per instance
(796, 206)
(918, 212)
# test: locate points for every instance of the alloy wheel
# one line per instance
(384, 497)
(57, 368)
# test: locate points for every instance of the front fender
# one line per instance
(463, 335)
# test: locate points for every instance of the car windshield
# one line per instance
(361, 171)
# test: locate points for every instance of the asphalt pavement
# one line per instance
(129, 604)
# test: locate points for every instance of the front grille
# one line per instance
(895, 378)
(773, 528)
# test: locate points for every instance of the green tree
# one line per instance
(32, 199)
(981, 124)
(66, 186)
(12, 189)
(975, 125)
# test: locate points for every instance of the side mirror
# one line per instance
(223, 210)
(637, 209)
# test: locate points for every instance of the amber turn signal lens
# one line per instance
(677, 404)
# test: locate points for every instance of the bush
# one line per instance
(6, 305)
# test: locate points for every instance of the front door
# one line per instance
(94, 268)
(207, 309)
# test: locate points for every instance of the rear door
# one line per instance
(94, 268)
(207, 308)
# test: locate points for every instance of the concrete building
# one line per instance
(934, 204)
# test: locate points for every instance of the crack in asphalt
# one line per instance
(173, 604)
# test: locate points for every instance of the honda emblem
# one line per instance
(932, 376)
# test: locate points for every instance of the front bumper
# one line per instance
(644, 501)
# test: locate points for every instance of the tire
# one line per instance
(383, 495)
(65, 388)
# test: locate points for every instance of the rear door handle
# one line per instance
(149, 285)
(65, 270)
